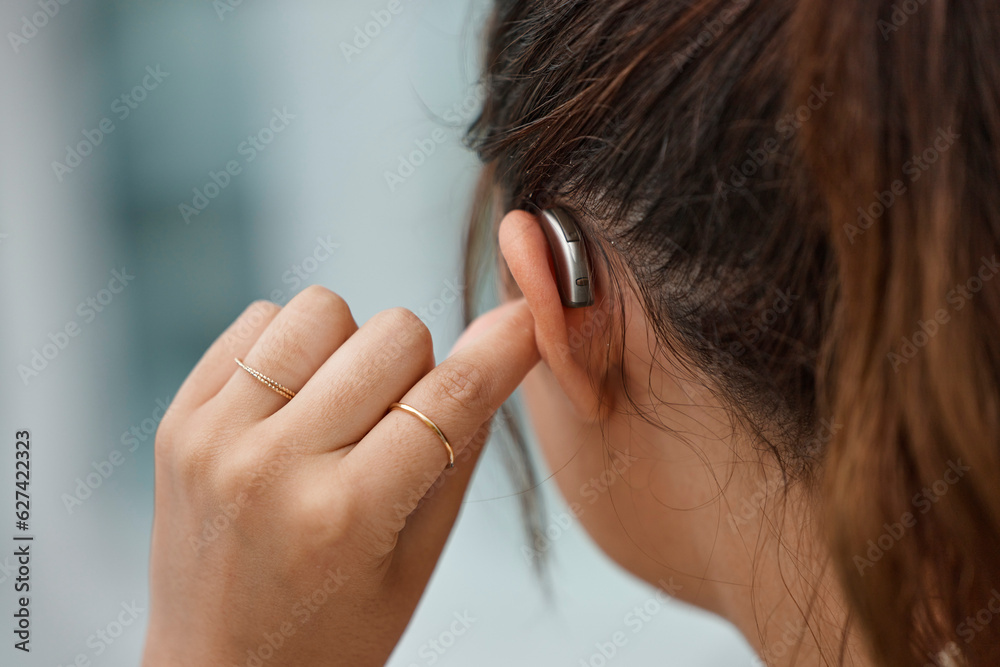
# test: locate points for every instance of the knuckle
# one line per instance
(280, 353)
(165, 445)
(236, 480)
(333, 517)
(251, 321)
(326, 301)
(197, 454)
(328, 520)
(166, 430)
(253, 470)
(192, 459)
(261, 308)
(257, 315)
(406, 330)
(464, 385)
(286, 348)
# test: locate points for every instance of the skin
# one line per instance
(669, 502)
(305, 531)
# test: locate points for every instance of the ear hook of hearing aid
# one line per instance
(570, 254)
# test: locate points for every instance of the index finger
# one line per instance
(396, 463)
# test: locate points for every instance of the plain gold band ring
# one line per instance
(431, 425)
(271, 384)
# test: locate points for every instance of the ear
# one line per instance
(565, 336)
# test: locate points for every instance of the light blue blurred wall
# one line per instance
(321, 182)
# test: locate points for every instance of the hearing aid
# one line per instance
(569, 252)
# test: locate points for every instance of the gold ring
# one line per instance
(426, 420)
(274, 386)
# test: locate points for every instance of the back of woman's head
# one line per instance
(843, 159)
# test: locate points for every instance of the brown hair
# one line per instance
(842, 154)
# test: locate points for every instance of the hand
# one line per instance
(304, 531)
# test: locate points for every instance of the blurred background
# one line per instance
(162, 164)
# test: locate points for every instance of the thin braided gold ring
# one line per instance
(271, 384)
(431, 425)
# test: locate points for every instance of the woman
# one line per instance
(791, 211)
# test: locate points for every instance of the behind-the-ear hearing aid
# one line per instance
(570, 254)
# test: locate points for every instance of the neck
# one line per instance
(788, 603)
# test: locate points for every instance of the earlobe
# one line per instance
(559, 331)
